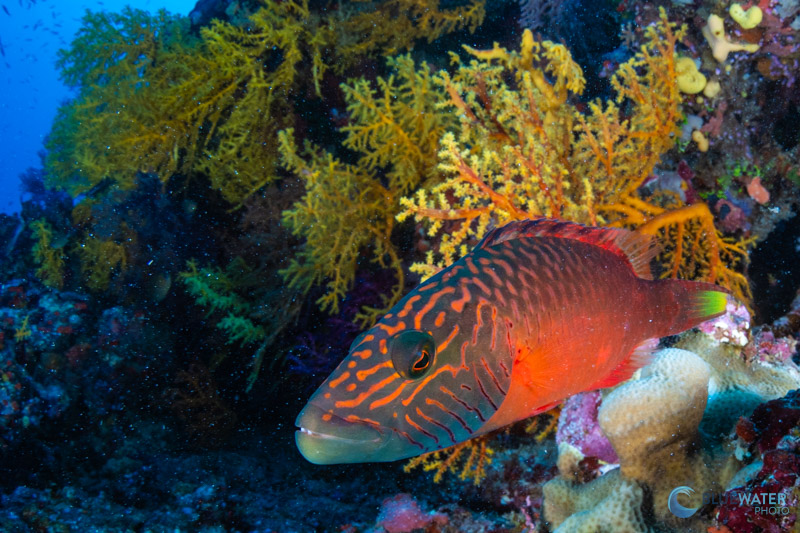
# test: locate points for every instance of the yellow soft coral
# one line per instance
(169, 103)
(397, 125)
(194, 110)
(115, 126)
(391, 26)
(49, 257)
(453, 459)
(100, 258)
(516, 162)
(155, 99)
(524, 151)
(395, 129)
(344, 210)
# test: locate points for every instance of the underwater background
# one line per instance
(229, 192)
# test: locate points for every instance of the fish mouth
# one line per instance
(324, 438)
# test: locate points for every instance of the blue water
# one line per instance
(31, 33)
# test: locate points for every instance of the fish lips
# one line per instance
(324, 438)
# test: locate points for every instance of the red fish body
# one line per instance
(538, 311)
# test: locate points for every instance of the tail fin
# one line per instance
(693, 302)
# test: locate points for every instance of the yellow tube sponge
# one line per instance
(714, 32)
(712, 89)
(690, 80)
(746, 19)
(701, 140)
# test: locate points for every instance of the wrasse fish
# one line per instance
(538, 311)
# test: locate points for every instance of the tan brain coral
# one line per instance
(654, 424)
(609, 504)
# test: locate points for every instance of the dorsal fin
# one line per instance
(636, 249)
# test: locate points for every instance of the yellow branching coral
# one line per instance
(695, 249)
(524, 151)
(155, 99)
(392, 26)
(244, 155)
(49, 257)
(100, 259)
(110, 130)
(344, 210)
(169, 103)
(620, 153)
(192, 109)
(24, 330)
(395, 128)
(470, 465)
(516, 161)
(543, 425)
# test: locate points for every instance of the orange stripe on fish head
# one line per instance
(425, 377)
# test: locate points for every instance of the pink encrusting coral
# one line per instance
(732, 327)
(765, 346)
(402, 514)
(761, 343)
(578, 427)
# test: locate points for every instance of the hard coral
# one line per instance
(664, 438)
(608, 504)
(652, 422)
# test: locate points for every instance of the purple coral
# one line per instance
(578, 427)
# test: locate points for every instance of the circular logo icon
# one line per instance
(676, 508)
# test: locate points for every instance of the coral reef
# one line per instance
(669, 428)
(579, 436)
(204, 110)
(153, 355)
(51, 258)
(139, 97)
(402, 514)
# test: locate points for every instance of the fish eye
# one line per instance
(412, 353)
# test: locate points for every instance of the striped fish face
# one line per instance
(427, 376)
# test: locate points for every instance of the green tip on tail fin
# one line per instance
(709, 304)
(695, 302)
